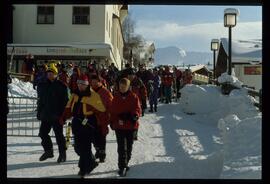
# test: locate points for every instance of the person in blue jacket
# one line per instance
(153, 90)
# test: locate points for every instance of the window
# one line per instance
(81, 15)
(252, 70)
(45, 15)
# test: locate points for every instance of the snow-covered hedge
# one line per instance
(208, 100)
(225, 78)
(19, 88)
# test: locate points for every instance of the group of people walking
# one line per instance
(95, 99)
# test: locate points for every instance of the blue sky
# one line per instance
(192, 27)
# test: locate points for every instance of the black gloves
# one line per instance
(128, 117)
(124, 116)
(134, 118)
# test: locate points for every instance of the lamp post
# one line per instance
(230, 19)
(214, 48)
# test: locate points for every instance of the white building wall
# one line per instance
(102, 27)
(113, 33)
(26, 30)
(250, 80)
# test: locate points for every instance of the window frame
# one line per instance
(80, 15)
(46, 14)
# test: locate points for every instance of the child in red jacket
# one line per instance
(125, 112)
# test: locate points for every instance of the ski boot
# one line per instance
(123, 172)
(92, 167)
(46, 155)
(155, 108)
(62, 157)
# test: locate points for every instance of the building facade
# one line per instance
(246, 61)
(71, 33)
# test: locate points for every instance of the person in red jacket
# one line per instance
(137, 86)
(187, 77)
(178, 77)
(103, 121)
(167, 81)
(125, 112)
(73, 80)
(63, 76)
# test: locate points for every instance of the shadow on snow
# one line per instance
(183, 164)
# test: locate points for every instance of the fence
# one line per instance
(21, 119)
(256, 93)
(200, 79)
(226, 88)
(22, 76)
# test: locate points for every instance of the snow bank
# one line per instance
(207, 102)
(225, 78)
(19, 88)
(195, 98)
(238, 120)
(242, 146)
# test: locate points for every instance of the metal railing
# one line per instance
(256, 93)
(226, 88)
(21, 119)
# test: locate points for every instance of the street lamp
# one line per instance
(214, 48)
(230, 19)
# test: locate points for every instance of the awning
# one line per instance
(69, 49)
(72, 50)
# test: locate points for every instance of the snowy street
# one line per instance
(181, 87)
(204, 135)
(169, 146)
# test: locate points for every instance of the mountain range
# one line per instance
(177, 56)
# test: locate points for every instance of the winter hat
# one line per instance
(52, 68)
(83, 79)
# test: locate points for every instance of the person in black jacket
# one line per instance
(52, 100)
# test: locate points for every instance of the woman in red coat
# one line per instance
(125, 112)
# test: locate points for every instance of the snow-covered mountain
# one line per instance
(177, 56)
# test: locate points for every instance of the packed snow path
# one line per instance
(171, 144)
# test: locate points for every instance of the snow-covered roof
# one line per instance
(198, 67)
(193, 68)
(244, 50)
(232, 11)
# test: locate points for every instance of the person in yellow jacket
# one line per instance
(85, 106)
